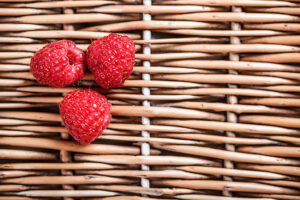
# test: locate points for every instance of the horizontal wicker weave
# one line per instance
(211, 110)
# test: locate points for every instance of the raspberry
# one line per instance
(111, 60)
(58, 64)
(85, 113)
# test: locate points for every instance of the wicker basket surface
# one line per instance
(210, 111)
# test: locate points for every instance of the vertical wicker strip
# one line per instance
(66, 156)
(145, 147)
(232, 99)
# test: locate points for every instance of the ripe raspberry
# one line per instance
(58, 64)
(111, 60)
(85, 113)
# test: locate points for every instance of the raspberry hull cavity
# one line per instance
(58, 64)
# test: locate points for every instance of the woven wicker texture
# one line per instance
(210, 111)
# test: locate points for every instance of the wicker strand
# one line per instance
(145, 147)
(231, 116)
(66, 156)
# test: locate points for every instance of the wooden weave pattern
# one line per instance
(211, 110)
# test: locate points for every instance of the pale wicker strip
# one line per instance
(145, 147)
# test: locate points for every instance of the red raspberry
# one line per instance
(58, 64)
(111, 60)
(85, 113)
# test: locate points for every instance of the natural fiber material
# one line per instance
(211, 110)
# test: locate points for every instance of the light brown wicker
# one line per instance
(211, 110)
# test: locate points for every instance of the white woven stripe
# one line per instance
(145, 147)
